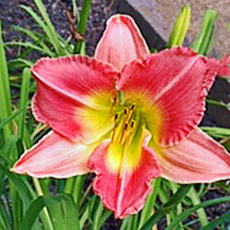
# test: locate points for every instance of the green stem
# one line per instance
(149, 206)
(69, 185)
(168, 207)
(96, 224)
(45, 213)
(196, 200)
(86, 8)
(77, 189)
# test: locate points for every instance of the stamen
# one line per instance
(132, 124)
(125, 111)
(123, 132)
(116, 117)
(126, 126)
(115, 126)
(114, 98)
(132, 107)
(128, 115)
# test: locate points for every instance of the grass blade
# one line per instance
(225, 218)
(10, 118)
(53, 36)
(5, 98)
(30, 45)
(169, 206)
(148, 209)
(189, 211)
(32, 213)
(205, 38)
(23, 100)
(63, 212)
(200, 212)
(33, 36)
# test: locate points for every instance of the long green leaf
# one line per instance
(63, 212)
(23, 100)
(5, 98)
(225, 218)
(201, 212)
(52, 32)
(205, 38)
(44, 27)
(189, 211)
(216, 132)
(30, 45)
(5, 221)
(98, 214)
(7, 120)
(148, 209)
(169, 206)
(33, 36)
(19, 185)
(32, 213)
(19, 62)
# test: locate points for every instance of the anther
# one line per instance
(115, 126)
(114, 95)
(116, 116)
(133, 107)
(132, 124)
(125, 111)
(113, 99)
(125, 126)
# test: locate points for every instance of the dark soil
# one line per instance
(11, 14)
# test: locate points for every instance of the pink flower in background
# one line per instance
(127, 115)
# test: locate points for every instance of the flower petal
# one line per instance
(217, 67)
(198, 159)
(71, 88)
(121, 42)
(123, 191)
(54, 156)
(173, 81)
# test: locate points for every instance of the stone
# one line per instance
(161, 14)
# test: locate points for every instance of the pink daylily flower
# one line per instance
(127, 115)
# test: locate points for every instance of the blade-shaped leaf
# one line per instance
(32, 213)
(63, 212)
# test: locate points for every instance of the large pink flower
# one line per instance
(127, 115)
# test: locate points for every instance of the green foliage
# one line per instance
(63, 212)
(205, 38)
(5, 102)
(65, 204)
(180, 28)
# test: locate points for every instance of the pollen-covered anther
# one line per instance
(132, 124)
(133, 106)
(114, 97)
(126, 126)
(125, 111)
(116, 117)
(115, 125)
